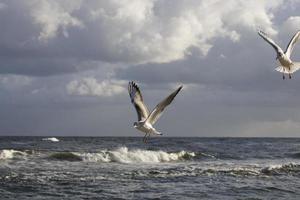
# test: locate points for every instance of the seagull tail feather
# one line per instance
(293, 68)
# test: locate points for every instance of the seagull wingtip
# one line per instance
(259, 31)
(131, 83)
(180, 87)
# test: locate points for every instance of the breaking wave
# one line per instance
(123, 155)
(52, 139)
(10, 153)
(281, 169)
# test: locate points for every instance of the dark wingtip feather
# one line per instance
(180, 87)
(260, 32)
(136, 87)
(176, 91)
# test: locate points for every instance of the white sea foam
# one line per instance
(52, 139)
(9, 154)
(281, 169)
(123, 155)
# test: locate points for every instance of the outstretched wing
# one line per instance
(158, 110)
(137, 100)
(291, 44)
(270, 41)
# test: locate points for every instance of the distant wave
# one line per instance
(10, 153)
(286, 169)
(133, 156)
(295, 155)
(179, 172)
(52, 139)
(69, 156)
(281, 169)
(124, 155)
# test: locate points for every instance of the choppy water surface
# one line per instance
(165, 168)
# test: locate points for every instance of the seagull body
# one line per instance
(146, 127)
(146, 120)
(287, 66)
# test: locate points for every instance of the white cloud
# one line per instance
(14, 81)
(89, 86)
(149, 31)
(54, 16)
(222, 56)
(292, 24)
(142, 31)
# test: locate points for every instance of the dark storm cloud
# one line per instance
(228, 65)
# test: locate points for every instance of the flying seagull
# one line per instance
(287, 66)
(146, 120)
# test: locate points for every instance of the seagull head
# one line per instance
(135, 124)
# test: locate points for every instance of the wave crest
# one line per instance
(123, 155)
(281, 169)
(10, 153)
(69, 156)
(52, 139)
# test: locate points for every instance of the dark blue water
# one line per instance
(165, 168)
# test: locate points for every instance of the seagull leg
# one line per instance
(289, 70)
(283, 77)
(145, 137)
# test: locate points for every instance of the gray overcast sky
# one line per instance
(65, 65)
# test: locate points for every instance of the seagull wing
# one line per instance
(291, 44)
(270, 41)
(158, 110)
(137, 100)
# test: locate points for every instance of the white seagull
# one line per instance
(287, 66)
(146, 120)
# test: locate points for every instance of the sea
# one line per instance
(164, 168)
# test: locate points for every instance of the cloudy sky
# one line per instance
(65, 65)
